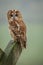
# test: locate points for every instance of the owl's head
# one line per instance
(14, 15)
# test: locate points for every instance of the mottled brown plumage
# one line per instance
(17, 27)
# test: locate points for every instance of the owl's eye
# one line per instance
(16, 15)
(11, 15)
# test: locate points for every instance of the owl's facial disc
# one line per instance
(11, 19)
(15, 16)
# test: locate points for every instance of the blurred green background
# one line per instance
(32, 12)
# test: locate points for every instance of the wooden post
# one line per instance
(11, 53)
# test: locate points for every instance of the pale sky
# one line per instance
(32, 10)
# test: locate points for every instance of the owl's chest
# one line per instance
(17, 25)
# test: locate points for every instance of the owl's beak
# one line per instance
(13, 16)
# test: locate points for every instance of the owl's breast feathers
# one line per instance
(18, 28)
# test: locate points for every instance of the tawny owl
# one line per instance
(17, 27)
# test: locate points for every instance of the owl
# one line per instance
(17, 27)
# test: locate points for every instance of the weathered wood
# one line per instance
(1, 54)
(11, 53)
